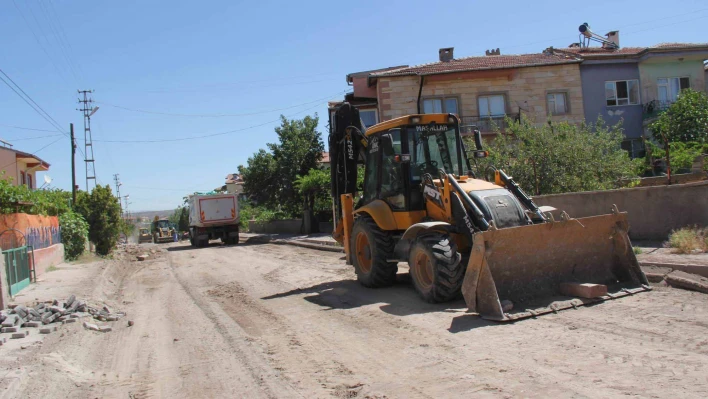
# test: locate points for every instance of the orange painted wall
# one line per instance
(39, 227)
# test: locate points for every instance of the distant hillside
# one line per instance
(151, 214)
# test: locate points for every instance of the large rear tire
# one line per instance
(371, 248)
(435, 268)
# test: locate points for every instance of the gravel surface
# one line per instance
(276, 321)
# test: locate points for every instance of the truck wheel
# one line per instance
(191, 239)
(435, 268)
(371, 248)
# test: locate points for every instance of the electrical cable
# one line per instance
(218, 115)
(48, 117)
(205, 135)
(56, 67)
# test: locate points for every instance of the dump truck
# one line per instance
(162, 230)
(144, 236)
(460, 233)
(213, 216)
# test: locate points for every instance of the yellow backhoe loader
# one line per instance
(423, 204)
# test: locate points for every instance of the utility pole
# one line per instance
(120, 199)
(73, 166)
(88, 143)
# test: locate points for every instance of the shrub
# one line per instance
(74, 233)
(560, 157)
(688, 239)
(102, 212)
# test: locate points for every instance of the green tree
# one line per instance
(315, 189)
(559, 157)
(183, 224)
(102, 212)
(260, 178)
(174, 217)
(269, 178)
(684, 121)
(74, 233)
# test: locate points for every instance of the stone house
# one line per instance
(480, 90)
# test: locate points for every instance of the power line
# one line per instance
(163, 189)
(34, 152)
(622, 27)
(35, 138)
(240, 87)
(56, 67)
(671, 24)
(219, 115)
(27, 128)
(231, 85)
(38, 108)
(205, 135)
(62, 47)
(45, 35)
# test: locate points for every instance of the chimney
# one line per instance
(613, 37)
(446, 54)
(493, 52)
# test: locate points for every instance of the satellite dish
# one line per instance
(47, 179)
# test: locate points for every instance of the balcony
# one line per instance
(485, 124)
(654, 108)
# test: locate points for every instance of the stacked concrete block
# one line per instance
(52, 312)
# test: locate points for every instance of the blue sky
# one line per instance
(259, 58)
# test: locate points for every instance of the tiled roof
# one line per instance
(630, 51)
(482, 63)
(680, 45)
(602, 51)
(233, 178)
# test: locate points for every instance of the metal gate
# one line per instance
(18, 268)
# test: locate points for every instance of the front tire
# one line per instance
(371, 248)
(435, 268)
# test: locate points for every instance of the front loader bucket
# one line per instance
(526, 266)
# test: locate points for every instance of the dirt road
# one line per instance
(269, 321)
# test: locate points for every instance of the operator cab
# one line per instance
(403, 150)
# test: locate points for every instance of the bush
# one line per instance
(560, 157)
(689, 239)
(39, 202)
(102, 212)
(74, 233)
(248, 212)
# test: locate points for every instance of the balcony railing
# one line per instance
(654, 108)
(485, 124)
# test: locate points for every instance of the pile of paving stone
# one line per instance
(51, 312)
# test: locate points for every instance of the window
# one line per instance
(556, 103)
(22, 178)
(440, 105)
(368, 117)
(491, 106)
(635, 148)
(433, 150)
(392, 182)
(622, 92)
(29, 180)
(669, 88)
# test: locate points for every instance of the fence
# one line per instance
(17, 266)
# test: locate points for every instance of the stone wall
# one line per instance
(523, 87)
(653, 211)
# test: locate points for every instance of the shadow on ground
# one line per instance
(398, 300)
